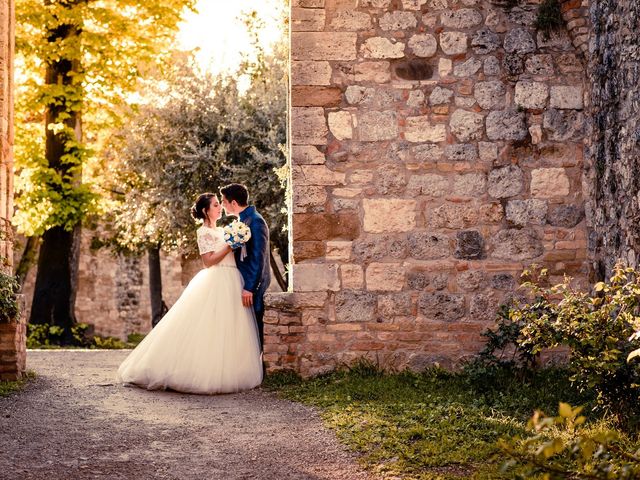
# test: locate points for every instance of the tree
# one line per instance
(196, 133)
(79, 59)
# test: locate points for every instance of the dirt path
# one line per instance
(74, 422)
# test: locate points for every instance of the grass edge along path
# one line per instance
(10, 387)
(434, 425)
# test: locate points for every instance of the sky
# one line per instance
(220, 36)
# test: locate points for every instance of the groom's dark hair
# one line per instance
(237, 192)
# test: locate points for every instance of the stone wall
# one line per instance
(12, 333)
(113, 290)
(613, 169)
(437, 151)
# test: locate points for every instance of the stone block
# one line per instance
(413, 4)
(379, 247)
(398, 20)
(315, 277)
(310, 73)
(323, 45)
(430, 184)
(381, 47)
(469, 245)
(316, 175)
(566, 216)
(306, 155)
(531, 94)
(540, 65)
(440, 96)
(506, 181)
(420, 129)
(441, 306)
(427, 153)
(516, 245)
(341, 125)
(355, 306)
(561, 125)
(352, 277)
(307, 19)
(376, 72)
(350, 20)
(308, 125)
(519, 41)
(549, 182)
(488, 151)
(389, 215)
(424, 245)
(484, 41)
(338, 250)
(325, 226)
(376, 126)
(453, 215)
(454, 43)
(423, 45)
(315, 96)
(470, 184)
(467, 68)
(567, 97)
(305, 196)
(385, 277)
(461, 19)
(506, 125)
(390, 180)
(466, 125)
(471, 280)
(490, 95)
(395, 304)
(525, 212)
(461, 152)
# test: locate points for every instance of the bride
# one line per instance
(207, 342)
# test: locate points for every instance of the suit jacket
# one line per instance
(255, 267)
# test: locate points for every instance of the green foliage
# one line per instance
(598, 329)
(9, 307)
(106, 47)
(47, 336)
(430, 425)
(549, 17)
(10, 387)
(564, 447)
(502, 352)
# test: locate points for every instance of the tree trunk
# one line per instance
(158, 307)
(56, 281)
(277, 273)
(54, 296)
(27, 260)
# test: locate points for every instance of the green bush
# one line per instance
(50, 336)
(565, 447)
(598, 330)
(9, 287)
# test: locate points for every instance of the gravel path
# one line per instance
(74, 422)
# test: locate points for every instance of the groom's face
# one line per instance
(228, 206)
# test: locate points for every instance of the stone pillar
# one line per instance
(13, 333)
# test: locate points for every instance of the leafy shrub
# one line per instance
(9, 287)
(134, 339)
(549, 17)
(564, 447)
(597, 329)
(502, 351)
(51, 336)
(108, 343)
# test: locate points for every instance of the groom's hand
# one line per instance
(247, 298)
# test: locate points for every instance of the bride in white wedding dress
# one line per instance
(207, 342)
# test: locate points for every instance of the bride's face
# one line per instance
(215, 209)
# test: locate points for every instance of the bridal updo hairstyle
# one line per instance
(203, 202)
(237, 192)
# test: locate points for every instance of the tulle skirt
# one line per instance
(206, 343)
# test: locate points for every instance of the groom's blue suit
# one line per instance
(255, 267)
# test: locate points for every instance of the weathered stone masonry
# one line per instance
(12, 334)
(437, 151)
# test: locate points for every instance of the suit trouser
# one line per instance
(260, 323)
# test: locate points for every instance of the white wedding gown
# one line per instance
(207, 342)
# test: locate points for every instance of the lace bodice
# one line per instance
(212, 240)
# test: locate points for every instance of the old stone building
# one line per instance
(438, 149)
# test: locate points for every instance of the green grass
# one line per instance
(433, 425)
(8, 388)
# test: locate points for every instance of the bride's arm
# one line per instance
(213, 258)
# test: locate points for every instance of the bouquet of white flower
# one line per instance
(236, 234)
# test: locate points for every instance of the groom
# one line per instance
(255, 266)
